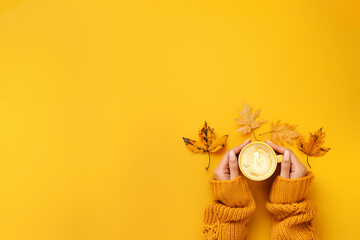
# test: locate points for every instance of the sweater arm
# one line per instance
(226, 217)
(292, 214)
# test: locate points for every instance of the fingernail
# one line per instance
(267, 141)
(248, 140)
(286, 156)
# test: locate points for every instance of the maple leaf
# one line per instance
(248, 121)
(285, 132)
(207, 142)
(313, 148)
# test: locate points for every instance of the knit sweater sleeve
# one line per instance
(292, 214)
(226, 217)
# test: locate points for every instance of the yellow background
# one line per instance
(95, 97)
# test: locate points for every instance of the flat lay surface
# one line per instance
(96, 96)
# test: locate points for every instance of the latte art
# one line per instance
(257, 161)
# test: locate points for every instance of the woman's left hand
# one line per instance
(291, 167)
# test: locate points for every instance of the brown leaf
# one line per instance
(313, 148)
(248, 121)
(207, 142)
(285, 132)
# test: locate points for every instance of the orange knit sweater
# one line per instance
(227, 216)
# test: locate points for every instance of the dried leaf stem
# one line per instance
(254, 134)
(267, 133)
(307, 160)
(207, 168)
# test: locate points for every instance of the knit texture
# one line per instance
(227, 216)
(290, 190)
(292, 214)
(233, 193)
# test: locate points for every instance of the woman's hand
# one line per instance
(228, 167)
(291, 167)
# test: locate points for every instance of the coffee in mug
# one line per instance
(258, 161)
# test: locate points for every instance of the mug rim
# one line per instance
(275, 160)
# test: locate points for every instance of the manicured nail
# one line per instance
(286, 157)
(247, 140)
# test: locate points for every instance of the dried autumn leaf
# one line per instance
(248, 121)
(207, 142)
(313, 148)
(285, 132)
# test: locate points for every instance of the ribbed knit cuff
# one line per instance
(233, 193)
(290, 190)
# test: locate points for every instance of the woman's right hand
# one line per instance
(228, 167)
(291, 167)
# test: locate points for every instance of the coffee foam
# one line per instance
(257, 161)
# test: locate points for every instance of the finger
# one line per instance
(296, 164)
(237, 149)
(225, 160)
(277, 148)
(293, 158)
(285, 165)
(233, 165)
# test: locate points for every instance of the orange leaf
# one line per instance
(313, 148)
(248, 121)
(207, 142)
(285, 132)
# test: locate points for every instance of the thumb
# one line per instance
(285, 165)
(233, 165)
